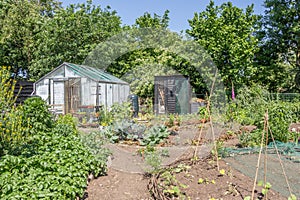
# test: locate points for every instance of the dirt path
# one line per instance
(125, 179)
(119, 185)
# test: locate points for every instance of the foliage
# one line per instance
(116, 112)
(169, 183)
(125, 130)
(173, 120)
(12, 129)
(7, 87)
(67, 122)
(37, 36)
(71, 34)
(94, 142)
(156, 21)
(251, 139)
(143, 51)
(54, 167)
(13, 132)
(153, 159)
(20, 22)
(250, 108)
(292, 197)
(105, 117)
(226, 32)
(203, 114)
(155, 135)
(121, 110)
(280, 37)
(41, 158)
(36, 115)
(266, 187)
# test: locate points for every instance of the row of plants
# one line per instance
(40, 157)
(129, 130)
(253, 105)
(118, 125)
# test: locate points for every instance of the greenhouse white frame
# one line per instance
(77, 89)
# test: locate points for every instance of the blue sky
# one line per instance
(180, 10)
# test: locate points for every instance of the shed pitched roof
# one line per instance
(94, 73)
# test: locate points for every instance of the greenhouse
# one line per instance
(80, 90)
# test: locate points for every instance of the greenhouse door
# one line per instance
(65, 95)
(74, 97)
(57, 97)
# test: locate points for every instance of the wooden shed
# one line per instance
(72, 88)
(172, 94)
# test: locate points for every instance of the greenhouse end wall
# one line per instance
(68, 90)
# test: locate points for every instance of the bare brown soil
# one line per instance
(123, 185)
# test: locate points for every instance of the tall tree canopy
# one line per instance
(226, 32)
(280, 44)
(20, 22)
(146, 20)
(36, 36)
(141, 65)
(71, 34)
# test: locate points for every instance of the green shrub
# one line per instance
(7, 87)
(249, 109)
(57, 168)
(66, 124)
(12, 131)
(37, 116)
(41, 158)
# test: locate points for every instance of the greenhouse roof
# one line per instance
(94, 73)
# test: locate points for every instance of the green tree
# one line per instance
(155, 21)
(70, 35)
(20, 22)
(280, 50)
(141, 65)
(226, 32)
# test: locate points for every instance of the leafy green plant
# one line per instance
(66, 124)
(105, 117)
(50, 161)
(116, 112)
(203, 114)
(292, 197)
(67, 119)
(56, 167)
(250, 108)
(124, 130)
(266, 187)
(153, 159)
(155, 135)
(252, 139)
(171, 186)
(121, 111)
(94, 142)
(12, 130)
(36, 115)
(173, 120)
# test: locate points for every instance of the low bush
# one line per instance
(54, 166)
(41, 158)
(250, 108)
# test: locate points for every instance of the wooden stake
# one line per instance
(259, 155)
(281, 164)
